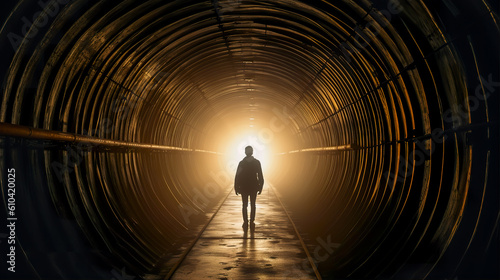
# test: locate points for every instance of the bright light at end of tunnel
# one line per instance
(236, 152)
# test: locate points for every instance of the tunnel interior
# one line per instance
(376, 122)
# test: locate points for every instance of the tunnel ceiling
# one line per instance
(375, 80)
(202, 63)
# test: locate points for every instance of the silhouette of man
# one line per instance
(248, 182)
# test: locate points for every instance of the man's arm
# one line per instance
(261, 177)
(236, 180)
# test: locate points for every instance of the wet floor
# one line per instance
(225, 250)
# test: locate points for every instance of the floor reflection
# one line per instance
(267, 249)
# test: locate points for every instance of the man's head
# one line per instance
(248, 150)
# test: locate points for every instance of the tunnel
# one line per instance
(121, 124)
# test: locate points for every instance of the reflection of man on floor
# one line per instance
(248, 181)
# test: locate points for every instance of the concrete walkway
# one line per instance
(225, 250)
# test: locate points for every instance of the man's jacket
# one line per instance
(248, 176)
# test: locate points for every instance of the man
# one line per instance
(248, 182)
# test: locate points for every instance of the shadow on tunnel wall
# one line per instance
(112, 111)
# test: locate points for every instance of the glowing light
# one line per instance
(236, 152)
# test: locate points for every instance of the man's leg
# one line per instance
(244, 198)
(253, 198)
